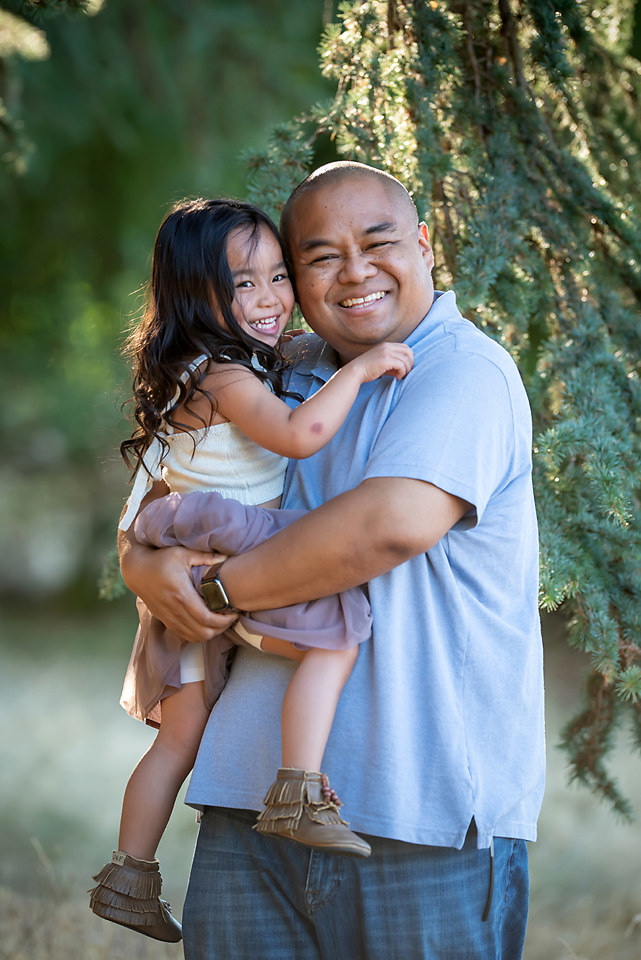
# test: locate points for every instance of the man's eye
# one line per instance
(324, 257)
(379, 243)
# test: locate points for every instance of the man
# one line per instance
(437, 745)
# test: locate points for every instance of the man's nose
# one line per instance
(355, 268)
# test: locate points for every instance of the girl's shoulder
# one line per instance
(222, 375)
(214, 380)
(220, 368)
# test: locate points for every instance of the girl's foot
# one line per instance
(300, 805)
(128, 893)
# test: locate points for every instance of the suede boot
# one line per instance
(128, 893)
(300, 806)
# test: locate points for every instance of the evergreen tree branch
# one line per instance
(519, 136)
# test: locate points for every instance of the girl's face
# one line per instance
(264, 297)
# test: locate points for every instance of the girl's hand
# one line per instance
(290, 334)
(385, 359)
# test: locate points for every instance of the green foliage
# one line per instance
(20, 37)
(111, 585)
(519, 137)
(275, 171)
(587, 739)
(134, 108)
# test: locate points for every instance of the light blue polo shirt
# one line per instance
(442, 718)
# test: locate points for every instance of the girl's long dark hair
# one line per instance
(189, 268)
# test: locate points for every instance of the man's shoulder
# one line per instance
(452, 340)
(308, 358)
(304, 348)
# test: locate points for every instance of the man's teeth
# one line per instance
(357, 301)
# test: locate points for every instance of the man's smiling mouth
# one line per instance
(361, 301)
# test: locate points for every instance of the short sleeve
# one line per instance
(452, 426)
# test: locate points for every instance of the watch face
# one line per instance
(215, 596)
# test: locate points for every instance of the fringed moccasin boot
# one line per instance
(301, 806)
(128, 893)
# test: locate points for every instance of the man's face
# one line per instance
(362, 269)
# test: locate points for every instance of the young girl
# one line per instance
(210, 414)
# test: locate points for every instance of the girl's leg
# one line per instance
(154, 784)
(310, 703)
(300, 804)
(282, 648)
(310, 700)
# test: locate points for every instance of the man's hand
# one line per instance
(161, 578)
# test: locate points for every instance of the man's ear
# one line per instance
(423, 234)
(424, 244)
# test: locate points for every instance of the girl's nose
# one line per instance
(267, 295)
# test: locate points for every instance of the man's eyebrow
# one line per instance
(375, 228)
(380, 227)
(312, 243)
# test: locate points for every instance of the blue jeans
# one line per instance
(253, 897)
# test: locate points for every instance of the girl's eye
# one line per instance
(281, 276)
(244, 285)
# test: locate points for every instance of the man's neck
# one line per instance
(360, 349)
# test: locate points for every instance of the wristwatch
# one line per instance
(214, 593)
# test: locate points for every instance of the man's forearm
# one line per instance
(349, 540)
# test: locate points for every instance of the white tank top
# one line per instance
(224, 460)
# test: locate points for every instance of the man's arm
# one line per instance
(349, 540)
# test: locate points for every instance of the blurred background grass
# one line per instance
(69, 749)
(136, 106)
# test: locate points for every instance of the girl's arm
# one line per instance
(267, 420)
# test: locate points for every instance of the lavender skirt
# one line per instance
(209, 522)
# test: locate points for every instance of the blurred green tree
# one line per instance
(517, 129)
(111, 112)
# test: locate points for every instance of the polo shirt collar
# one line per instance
(317, 359)
(443, 308)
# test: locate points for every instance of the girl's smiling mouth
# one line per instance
(267, 325)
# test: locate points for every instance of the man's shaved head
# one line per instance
(332, 174)
(360, 261)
